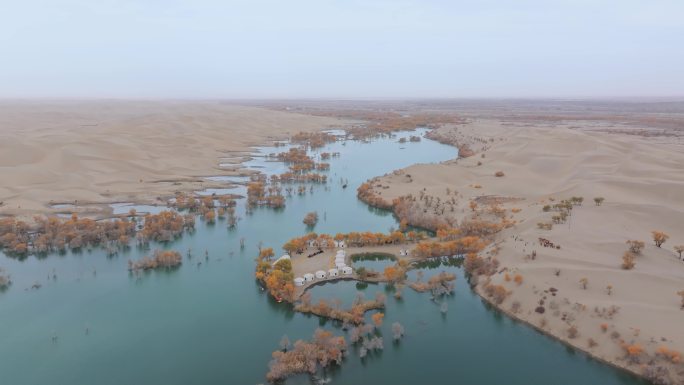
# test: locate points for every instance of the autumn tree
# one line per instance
(659, 237)
(393, 274)
(210, 216)
(266, 253)
(377, 319)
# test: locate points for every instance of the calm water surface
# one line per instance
(211, 324)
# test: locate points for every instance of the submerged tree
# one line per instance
(310, 219)
(397, 331)
(160, 259)
(322, 351)
(377, 319)
(444, 307)
(284, 343)
(5, 279)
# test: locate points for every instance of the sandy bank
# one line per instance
(642, 182)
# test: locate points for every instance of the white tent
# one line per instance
(333, 273)
(299, 281)
(308, 277)
(286, 256)
(346, 270)
(341, 252)
(320, 274)
(340, 265)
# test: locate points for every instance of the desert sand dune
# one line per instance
(104, 151)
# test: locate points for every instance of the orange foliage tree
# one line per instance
(377, 319)
(659, 237)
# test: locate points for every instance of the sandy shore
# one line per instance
(642, 181)
(123, 151)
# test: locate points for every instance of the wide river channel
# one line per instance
(212, 324)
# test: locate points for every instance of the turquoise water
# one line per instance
(212, 324)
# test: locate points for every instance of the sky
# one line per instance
(238, 49)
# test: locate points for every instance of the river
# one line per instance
(212, 324)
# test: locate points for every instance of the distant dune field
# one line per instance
(104, 151)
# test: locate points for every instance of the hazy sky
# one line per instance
(341, 48)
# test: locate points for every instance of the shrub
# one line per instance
(628, 261)
(635, 246)
(599, 200)
(499, 174)
(497, 292)
(545, 226)
(679, 249)
(577, 201)
(674, 356)
(518, 279)
(583, 282)
(634, 352)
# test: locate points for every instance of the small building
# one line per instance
(333, 273)
(308, 277)
(320, 274)
(346, 270)
(299, 281)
